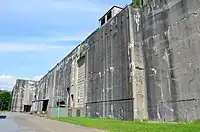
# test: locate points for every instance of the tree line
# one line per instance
(5, 100)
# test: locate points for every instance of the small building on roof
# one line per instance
(110, 14)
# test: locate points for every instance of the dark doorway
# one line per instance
(72, 97)
(27, 108)
(69, 112)
(45, 104)
(68, 94)
(78, 113)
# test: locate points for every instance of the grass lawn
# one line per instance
(3, 111)
(128, 126)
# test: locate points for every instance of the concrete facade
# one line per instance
(141, 64)
(171, 47)
(64, 83)
(115, 85)
(23, 94)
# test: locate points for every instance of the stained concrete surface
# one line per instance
(19, 122)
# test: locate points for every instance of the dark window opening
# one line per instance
(78, 113)
(68, 100)
(61, 103)
(68, 90)
(72, 96)
(81, 61)
(69, 112)
(109, 15)
(45, 104)
(103, 21)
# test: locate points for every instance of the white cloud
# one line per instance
(7, 82)
(15, 47)
(37, 78)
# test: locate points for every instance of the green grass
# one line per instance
(128, 126)
(4, 111)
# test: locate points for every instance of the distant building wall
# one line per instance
(64, 83)
(23, 93)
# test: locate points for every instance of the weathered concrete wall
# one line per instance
(108, 91)
(115, 69)
(65, 82)
(141, 64)
(137, 65)
(171, 47)
(81, 82)
(104, 74)
(17, 97)
(23, 94)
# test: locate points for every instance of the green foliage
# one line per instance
(130, 126)
(136, 3)
(196, 122)
(5, 100)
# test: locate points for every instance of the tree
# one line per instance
(5, 100)
(136, 3)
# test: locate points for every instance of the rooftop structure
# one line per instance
(109, 15)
